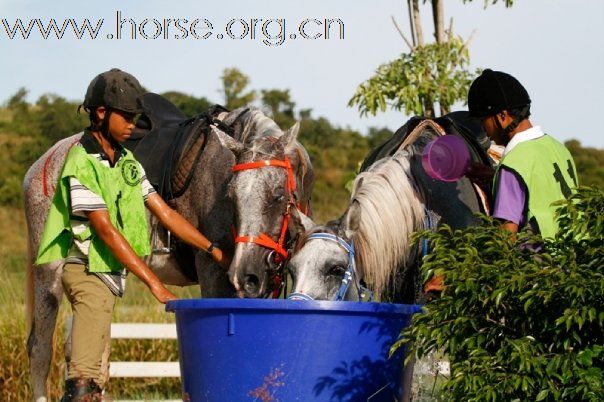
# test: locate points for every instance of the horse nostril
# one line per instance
(252, 284)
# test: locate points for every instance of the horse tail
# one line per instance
(29, 290)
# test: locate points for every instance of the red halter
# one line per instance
(263, 239)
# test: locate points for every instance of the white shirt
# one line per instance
(526, 135)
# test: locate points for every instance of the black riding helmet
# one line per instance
(114, 89)
(494, 91)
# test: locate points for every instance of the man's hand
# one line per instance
(480, 174)
(221, 258)
(162, 294)
(184, 230)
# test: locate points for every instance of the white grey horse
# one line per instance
(390, 201)
(206, 204)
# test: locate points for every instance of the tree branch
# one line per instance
(438, 15)
(417, 23)
(470, 38)
(411, 23)
(402, 34)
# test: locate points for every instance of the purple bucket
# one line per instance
(446, 158)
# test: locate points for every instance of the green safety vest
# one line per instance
(120, 188)
(548, 172)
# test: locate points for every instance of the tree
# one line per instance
(429, 75)
(590, 167)
(21, 122)
(377, 136)
(56, 118)
(519, 323)
(281, 106)
(234, 84)
(189, 105)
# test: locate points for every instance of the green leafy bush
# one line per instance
(515, 323)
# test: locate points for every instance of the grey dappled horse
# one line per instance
(390, 201)
(207, 203)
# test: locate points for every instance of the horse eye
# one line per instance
(278, 198)
(336, 270)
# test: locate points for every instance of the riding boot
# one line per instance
(82, 390)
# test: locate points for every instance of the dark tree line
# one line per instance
(27, 130)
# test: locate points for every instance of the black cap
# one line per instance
(494, 91)
(115, 89)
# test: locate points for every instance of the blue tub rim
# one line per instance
(293, 306)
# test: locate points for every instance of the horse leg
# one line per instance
(48, 292)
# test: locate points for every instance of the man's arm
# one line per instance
(178, 225)
(122, 251)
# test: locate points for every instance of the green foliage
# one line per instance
(234, 85)
(589, 162)
(335, 154)
(56, 118)
(434, 73)
(515, 323)
(27, 132)
(280, 105)
(377, 136)
(189, 105)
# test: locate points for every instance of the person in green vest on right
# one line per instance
(535, 171)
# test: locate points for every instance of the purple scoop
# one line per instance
(446, 158)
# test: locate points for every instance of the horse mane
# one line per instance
(256, 127)
(260, 136)
(391, 211)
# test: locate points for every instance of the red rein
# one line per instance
(263, 239)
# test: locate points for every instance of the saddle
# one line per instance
(168, 144)
(456, 123)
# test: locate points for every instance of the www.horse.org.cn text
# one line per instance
(269, 31)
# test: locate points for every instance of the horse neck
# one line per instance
(391, 211)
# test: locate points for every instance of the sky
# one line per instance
(554, 47)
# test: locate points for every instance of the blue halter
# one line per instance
(350, 269)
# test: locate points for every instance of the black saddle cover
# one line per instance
(457, 123)
(164, 140)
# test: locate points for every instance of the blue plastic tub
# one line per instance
(283, 350)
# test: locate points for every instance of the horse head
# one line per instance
(324, 262)
(272, 178)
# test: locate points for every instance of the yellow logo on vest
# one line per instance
(131, 173)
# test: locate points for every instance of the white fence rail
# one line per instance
(133, 369)
(143, 369)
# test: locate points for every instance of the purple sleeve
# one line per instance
(509, 198)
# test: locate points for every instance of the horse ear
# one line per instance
(289, 137)
(300, 223)
(228, 142)
(352, 219)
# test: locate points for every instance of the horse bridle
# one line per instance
(278, 253)
(349, 274)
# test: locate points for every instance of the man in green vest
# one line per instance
(535, 171)
(97, 225)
